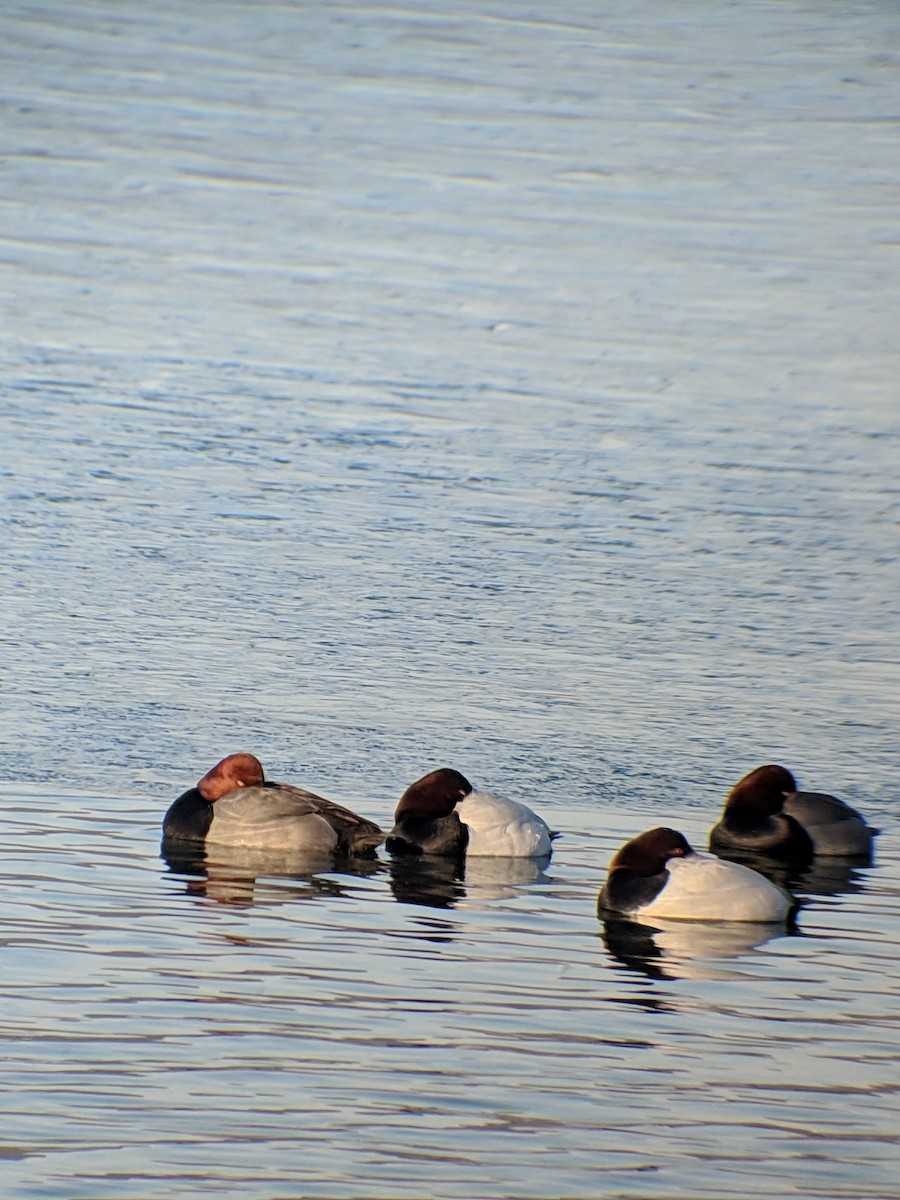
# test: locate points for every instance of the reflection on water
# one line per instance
(502, 878)
(242, 876)
(445, 883)
(834, 876)
(825, 876)
(686, 949)
(217, 1010)
(432, 881)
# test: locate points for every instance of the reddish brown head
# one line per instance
(434, 795)
(648, 853)
(762, 791)
(235, 771)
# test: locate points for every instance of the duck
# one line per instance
(234, 805)
(443, 814)
(765, 814)
(659, 874)
(835, 829)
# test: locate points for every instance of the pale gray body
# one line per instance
(283, 817)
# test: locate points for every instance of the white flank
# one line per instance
(702, 887)
(501, 828)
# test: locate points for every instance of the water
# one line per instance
(388, 387)
(343, 1035)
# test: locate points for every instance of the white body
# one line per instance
(702, 887)
(501, 828)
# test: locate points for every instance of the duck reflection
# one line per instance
(428, 880)
(242, 877)
(438, 882)
(834, 876)
(685, 949)
(502, 878)
(824, 876)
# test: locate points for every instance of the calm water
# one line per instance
(393, 386)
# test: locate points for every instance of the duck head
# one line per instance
(426, 821)
(648, 853)
(762, 792)
(235, 771)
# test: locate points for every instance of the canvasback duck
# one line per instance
(766, 814)
(234, 805)
(441, 813)
(658, 874)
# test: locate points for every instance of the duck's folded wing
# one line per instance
(818, 808)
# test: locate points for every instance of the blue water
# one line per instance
(384, 388)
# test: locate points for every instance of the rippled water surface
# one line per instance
(384, 387)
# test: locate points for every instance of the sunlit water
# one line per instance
(385, 387)
(265, 1028)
